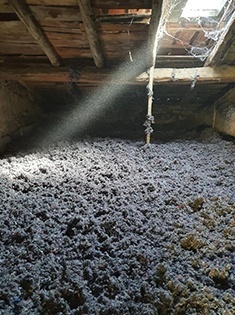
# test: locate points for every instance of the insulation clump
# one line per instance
(112, 228)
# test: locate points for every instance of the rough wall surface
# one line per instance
(224, 117)
(122, 116)
(220, 115)
(18, 111)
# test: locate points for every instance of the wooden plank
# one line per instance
(62, 30)
(52, 2)
(23, 39)
(200, 75)
(105, 4)
(124, 4)
(183, 37)
(106, 28)
(5, 7)
(74, 53)
(124, 18)
(25, 15)
(65, 39)
(123, 28)
(123, 38)
(12, 27)
(21, 49)
(91, 31)
(222, 74)
(178, 62)
(53, 13)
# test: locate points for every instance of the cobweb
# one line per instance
(212, 26)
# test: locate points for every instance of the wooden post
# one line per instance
(149, 117)
(92, 34)
(153, 29)
(157, 12)
(33, 27)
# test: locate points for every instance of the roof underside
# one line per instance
(122, 27)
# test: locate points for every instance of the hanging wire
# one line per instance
(128, 32)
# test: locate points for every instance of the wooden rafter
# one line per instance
(223, 44)
(91, 75)
(91, 31)
(34, 28)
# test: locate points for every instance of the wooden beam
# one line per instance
(153, 28)
(224, 43)
(92, 75)
(123, 4)
(92, 34)
(125, 18)
(102, 4)
(33, 27)
(186, 75)
(178, 61)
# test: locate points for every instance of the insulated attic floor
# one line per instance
(106, 227)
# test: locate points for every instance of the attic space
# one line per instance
(117, 157)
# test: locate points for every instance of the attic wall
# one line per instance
(224, 119)
(125, 114)
(18, 112)
(221, 115)
(179, 111)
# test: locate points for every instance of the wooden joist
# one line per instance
(91, 31)
(26, 16)
(92, 75)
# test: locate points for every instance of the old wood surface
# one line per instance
(91, 32)
(129, 4)
(92, 75)
(44, 14)
(224, 44)
(122, 27)
(35, 30)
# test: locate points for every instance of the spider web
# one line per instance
(212, 27)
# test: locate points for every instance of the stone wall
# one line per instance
(18, 112)
(125, 114)
(220, 115)
(224, 114)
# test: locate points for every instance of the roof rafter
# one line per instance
(34, 28)
(223, 44)
(91, 31)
